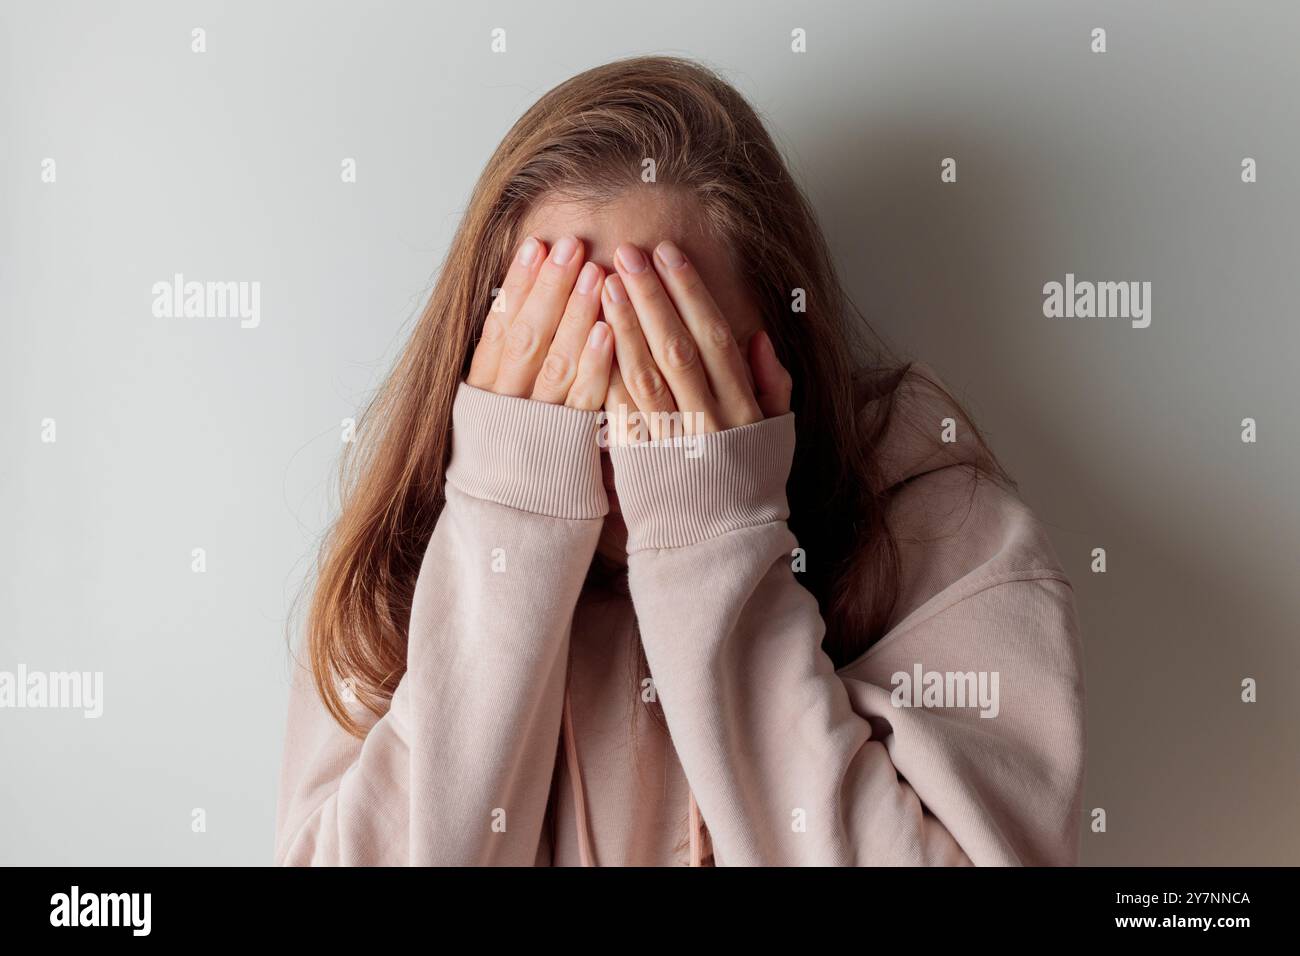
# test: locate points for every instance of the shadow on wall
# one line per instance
(1186, 773)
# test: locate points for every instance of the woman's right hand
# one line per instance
(542, 338)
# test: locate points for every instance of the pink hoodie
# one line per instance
(911, 754)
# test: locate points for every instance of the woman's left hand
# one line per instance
(677, 359)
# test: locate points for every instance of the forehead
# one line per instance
(645, 216)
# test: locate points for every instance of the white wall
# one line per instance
(174, 434)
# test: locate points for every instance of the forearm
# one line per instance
(459, 768)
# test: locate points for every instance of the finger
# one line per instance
(670, 342)
(620, 409)
(532, 330)
(644, 383)
(723, 362)
(591, 382)
(506, 304)
(560, 367)
(772, 382)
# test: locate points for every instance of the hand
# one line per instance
(678, 361)
(542, 338)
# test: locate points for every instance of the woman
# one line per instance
(589, 602)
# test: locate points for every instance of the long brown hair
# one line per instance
(587, 139)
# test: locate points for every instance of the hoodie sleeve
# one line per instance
(458, 770)
(794, 763)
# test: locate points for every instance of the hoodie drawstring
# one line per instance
(580, 800)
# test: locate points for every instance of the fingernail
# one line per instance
(528, 251)
(614, 289)
(564, 250)
(587, 278)
(672, 256)
(598, 336)
(631, 258)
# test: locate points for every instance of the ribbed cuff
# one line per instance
(527, 455)
(673, 496)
